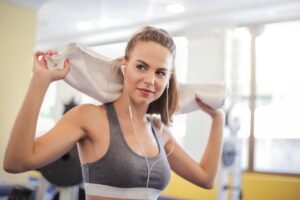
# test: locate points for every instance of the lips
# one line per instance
(145, 92)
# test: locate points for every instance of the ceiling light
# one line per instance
(175, 8)
(85, 25)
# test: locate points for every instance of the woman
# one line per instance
(125, 152)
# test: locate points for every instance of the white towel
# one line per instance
(212, 94)
(91, 73)
(100, 78)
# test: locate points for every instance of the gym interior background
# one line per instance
(253, 45)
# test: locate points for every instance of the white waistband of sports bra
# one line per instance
(121, 193)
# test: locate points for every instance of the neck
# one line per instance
(124, 103)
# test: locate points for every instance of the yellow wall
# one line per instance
(255, 187)
(273, 187)
(179, 188)
(17, 33)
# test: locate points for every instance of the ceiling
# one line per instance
(115, 20)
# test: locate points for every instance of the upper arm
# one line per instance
(186, 167)
(183, 164)
(60, 139)
(180, 161)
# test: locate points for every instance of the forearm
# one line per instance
(211, 155)
(20, 147)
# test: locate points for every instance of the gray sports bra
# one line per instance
(122, 173)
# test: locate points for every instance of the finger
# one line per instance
(43, 61)
(51, 52)
(48, 52)
(198, 101)
(44, 58)
(37, 56)
(39, 53)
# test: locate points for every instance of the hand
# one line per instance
(40, 68)
(209, 110)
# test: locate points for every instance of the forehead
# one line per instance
(154, 54)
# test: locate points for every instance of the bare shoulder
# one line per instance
(162, 130)
(93, 119)
(87, 112)
(90, 108)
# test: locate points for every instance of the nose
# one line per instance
(149, 78)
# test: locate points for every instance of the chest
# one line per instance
(121, 167)
(140, 139)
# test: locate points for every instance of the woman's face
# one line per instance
(147, 72)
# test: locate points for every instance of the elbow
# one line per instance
(12, 169)
(208, 186)
(209, 183)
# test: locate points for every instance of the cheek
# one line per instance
(131, 79)
(160, 87)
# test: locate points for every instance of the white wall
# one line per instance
(205, 64)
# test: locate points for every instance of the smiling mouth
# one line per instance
(145, 90)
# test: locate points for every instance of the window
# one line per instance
(276, 130)
(277, 127)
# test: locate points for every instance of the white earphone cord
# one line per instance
(139, 141)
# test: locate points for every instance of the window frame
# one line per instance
(252, 106)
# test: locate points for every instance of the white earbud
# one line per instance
(123, 69)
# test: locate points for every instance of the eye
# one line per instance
(161, 73)
(141, 67)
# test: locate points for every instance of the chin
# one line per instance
(142, 100)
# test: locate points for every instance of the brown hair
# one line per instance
(162, 37)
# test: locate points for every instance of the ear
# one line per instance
(123, 62)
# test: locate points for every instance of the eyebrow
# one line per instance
(144, 63)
